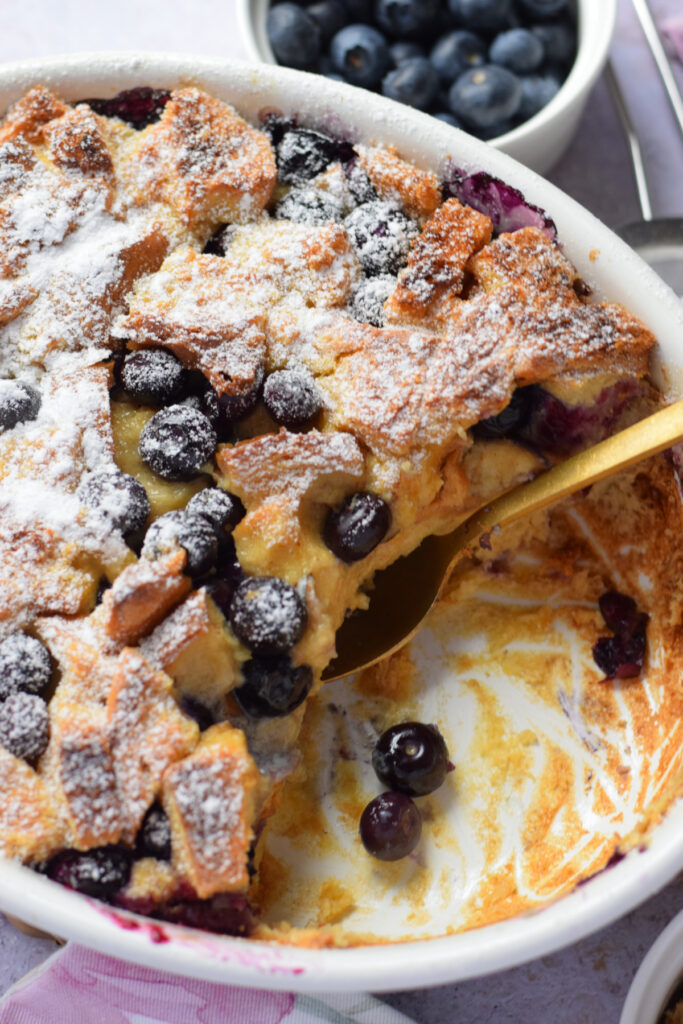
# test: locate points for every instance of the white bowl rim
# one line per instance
(617, 270)
(593, 46)
(656, 978)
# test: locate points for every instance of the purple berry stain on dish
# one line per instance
(622, 655)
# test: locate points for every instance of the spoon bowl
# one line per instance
(404, 593)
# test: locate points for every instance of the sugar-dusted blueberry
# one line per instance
(367, 302)
(404, 50)
(100, 872)
(390, 826)
(404, 18)
(414, 82)
(152, 376)
(490, 15)
(192, 532)
(358, 180)
(510, 421)
(537, 92)
(457, 52)
(118, 498)
(381, 236)
(235, 405)
(272, 687)
(355, 528)
(309, 206)
(267, 615)
(139, 107)
(177, 442)
(360, 53)
(329, 16)
(25, 665)
(411, 758)
(485, 96)
(292, 398)
(303, 153)
(154, 836)
(220, 507)
(19, 403)
(24, 725)
(293, 34)
(517, 49)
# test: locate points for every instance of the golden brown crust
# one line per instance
(417, 192)
(27, 118)
(205, 161)
(142, 595)
(76, 142)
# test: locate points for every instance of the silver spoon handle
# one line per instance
(633, 142)
(654, 42)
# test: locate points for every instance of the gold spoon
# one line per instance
(403, 594)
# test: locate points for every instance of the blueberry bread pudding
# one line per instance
(241, 369)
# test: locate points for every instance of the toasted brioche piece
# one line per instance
(77, 142)
(417, 192)
(212, 798)
(142, 595)
(30, 826)
(27, 118)
(205, 161)
(525, 257)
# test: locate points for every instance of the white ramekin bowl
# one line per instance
(658, 977)
(540, 141)
(613, 271)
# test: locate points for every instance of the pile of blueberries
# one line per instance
(482, 65)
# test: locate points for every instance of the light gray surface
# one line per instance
(587, 983)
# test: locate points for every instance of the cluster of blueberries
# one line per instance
(411, 759)
(482, 65)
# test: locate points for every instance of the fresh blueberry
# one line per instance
(154, 837)
(485, 96)
(25, 665)
(294, 35)
(221, 508)
(414, 82)
(456, 53)
(356, 10)
(542, 8)
(381, 236)
(558, 40)
(447, 118)
(309, 206)
(494, 131)
(272, 687)
(404, 51)
(537, 92)
(118, 498)
(367, 303)
(518, 49)
(360, 54)
(19, 403)
(401, 18)
(138, 107)
(355, 528)
(177, 442)
(152, 376)
(292, 398)
(329, 16)
(482, 14)
(411, 758)
(390, 826)
(302, 153)
(24, 725)
(267, 615)
(100, 872)
(194, 533)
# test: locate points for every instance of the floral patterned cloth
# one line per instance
(79, 986)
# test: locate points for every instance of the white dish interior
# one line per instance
(614, 272)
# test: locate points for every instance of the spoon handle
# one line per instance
(648, 437)
(654, 42)
(634, 146)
